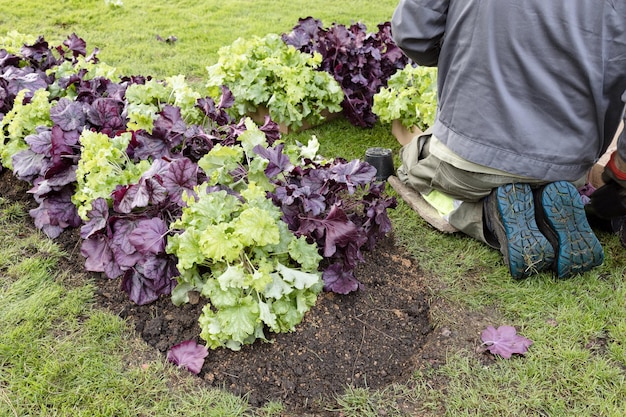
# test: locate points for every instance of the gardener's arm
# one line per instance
(418, 26)
(616, 167)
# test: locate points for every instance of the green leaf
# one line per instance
(267, 72)
(187, 248)
(410, 96)
(305, 253)
(180, 293)
(266, 315)
(233, 277)
(103, 165)
(240, 321)
(261, 278)
(219, 243)
(21, 121)
(287, 314)
(278, 287)
(251, 137)
(255, 226)
(209, 208)
(299, 279)
(221, 297)
(220, 161)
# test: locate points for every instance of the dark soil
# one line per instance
(371, 338)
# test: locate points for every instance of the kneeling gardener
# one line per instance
(530, 95)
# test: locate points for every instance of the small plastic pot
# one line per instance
(382, 160)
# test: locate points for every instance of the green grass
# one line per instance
(61, 357)
(127, 39)
(58, 356)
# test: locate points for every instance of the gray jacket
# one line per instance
(531, 87)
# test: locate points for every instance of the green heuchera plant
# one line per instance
(21, 121)
(14, 41)
(233, 248)
(103, 165)
(410, 96)
(265, 72)
(145, 101)
(89, 69)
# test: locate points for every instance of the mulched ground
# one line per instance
(372, 338)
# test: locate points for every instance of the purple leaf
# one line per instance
(339, 280)
(62, 149)
(167, 134)
(504, 341)
(181, 175)
(98, 218)
(198, 142)
(8, 60)
(218, 113)
(124, 252)
(77, 45)
(361, 62)
(68, 114)
(336, 230)
(585, 191)
(141, 290)
(188, 355)
(99, 256)
(60, 178)
(353, 174)
(149, 236)
(146, 191)
(20, 79)
(39, 54)
(56, 212)
(278, 161)
(40, 142)
(159, 267)
(106, 115)
(28, 165)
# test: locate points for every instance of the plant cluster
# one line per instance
(360, 61)
(265, 72)
(410, 97)
(175, 196)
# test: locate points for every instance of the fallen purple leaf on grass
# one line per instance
(188, 355)
(505, 341)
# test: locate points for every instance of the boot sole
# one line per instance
(525, 249)
(562, 219)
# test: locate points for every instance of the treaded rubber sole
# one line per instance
(577, 247)
(525, 249)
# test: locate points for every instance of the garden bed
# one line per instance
(371, 338)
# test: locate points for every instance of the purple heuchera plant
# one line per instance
(128, 239)
(50, 162)
(504, 341)
(188, 355)
(337, 205)
(361, 62)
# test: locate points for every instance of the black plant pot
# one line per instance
(382, 160)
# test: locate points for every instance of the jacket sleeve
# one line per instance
(418, 26)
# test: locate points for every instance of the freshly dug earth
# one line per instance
(371, 338)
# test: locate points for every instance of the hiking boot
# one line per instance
(562, 219)
(510, 216)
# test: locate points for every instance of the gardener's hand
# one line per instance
(615, 170)
(609, 201)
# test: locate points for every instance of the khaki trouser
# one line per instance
(425, 172)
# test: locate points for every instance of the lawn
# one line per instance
(60, 356)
